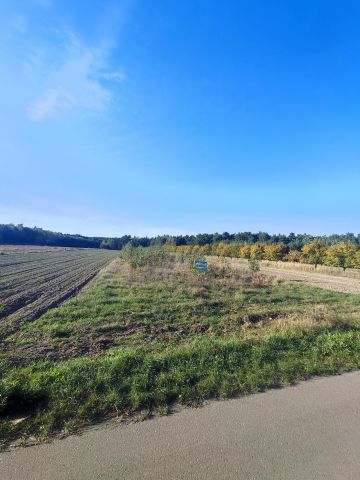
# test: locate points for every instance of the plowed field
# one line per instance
(32, 282)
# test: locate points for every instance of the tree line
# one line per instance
(344, 254)
(20, 235)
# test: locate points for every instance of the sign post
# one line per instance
(201, 266)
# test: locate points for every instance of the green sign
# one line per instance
(201, 265)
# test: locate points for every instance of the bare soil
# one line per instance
(31, 248)
(31, 282)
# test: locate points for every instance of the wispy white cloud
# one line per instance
(75, 80)
(51, 101)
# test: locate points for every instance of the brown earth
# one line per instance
(31, 282)
(31, 248)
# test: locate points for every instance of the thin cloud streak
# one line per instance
(50, 103)
(75, 82)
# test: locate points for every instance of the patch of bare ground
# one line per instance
(95, 344)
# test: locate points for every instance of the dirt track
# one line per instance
(330, 282)
(310, 431)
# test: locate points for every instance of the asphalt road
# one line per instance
(310, 431)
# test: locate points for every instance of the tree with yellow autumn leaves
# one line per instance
(314, 253)
(343, 254)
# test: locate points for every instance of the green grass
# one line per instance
(135, 342)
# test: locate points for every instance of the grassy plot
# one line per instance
(137, 340)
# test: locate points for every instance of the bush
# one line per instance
(254, 264)
(139, 257)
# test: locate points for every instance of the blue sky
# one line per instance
(149, 117)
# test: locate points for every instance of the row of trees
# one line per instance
(292, 241)
(20, 235)
(344, 254)
(260, 245)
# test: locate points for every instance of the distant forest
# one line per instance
(20, 235)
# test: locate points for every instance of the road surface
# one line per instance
(307, 432)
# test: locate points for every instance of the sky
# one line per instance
(166, 117)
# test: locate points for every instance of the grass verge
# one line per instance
(70, 394)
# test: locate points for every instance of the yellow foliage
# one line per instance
(357, 259)
(245, 251)
(275, 252)
(257, 251)
(343, 254)
(314, 252)
(293, 256)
